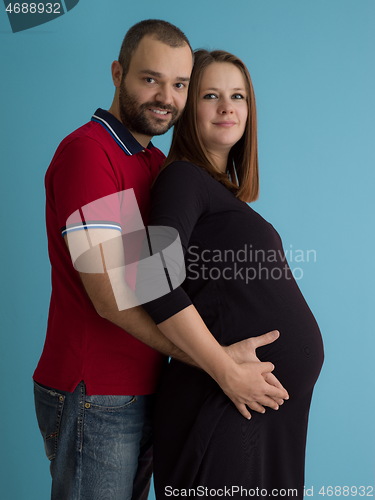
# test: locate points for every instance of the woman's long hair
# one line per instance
(187, 144)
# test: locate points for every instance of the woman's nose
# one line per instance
(225, 106)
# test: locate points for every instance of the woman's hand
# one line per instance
(262, 391)
(246, 385)
(246, 381)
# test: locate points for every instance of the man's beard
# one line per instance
(133, 115)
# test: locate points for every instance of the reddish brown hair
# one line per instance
(187, 145)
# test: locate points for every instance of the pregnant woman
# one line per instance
(238, 285)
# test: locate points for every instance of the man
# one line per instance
(96, 375)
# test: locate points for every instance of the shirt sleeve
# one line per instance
(81, 174)
(179, 198)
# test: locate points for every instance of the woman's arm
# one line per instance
(180, 198)
(243, 383)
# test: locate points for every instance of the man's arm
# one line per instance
(134, 320)
(244, 383)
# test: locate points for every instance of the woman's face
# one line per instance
(222, 107)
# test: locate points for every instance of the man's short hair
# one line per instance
(162, 31)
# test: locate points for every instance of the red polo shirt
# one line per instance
(98, 159)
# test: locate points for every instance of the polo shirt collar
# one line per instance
(119, 132)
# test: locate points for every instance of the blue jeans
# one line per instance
(99, 446)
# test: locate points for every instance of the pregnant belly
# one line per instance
(298, 353)
(234, 311)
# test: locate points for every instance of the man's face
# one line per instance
(153, 93)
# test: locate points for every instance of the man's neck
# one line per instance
(141, 138)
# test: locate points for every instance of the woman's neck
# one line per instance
(219, 160)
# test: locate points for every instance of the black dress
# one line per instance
(240, 283)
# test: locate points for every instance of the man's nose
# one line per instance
(164, 95)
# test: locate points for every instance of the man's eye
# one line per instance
(150, 80)
(210, 96)
(180, 85)
(238, 96)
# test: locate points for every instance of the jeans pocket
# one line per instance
(49, 406)
(109, 403)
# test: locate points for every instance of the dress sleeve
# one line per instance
(179, 198)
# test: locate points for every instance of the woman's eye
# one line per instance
(238, 96)
(210, 96)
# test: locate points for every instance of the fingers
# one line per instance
(272, 380)
(253, 405)
(266, 338)
(267, 401)
(255, 387)
(275, 392)
(258, 406)
(266, 367)
(243, 410)
(279, 401)
(272, 390)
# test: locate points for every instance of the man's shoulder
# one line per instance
(81, 148)
(157, 153)
(93, 134)
(90, 131)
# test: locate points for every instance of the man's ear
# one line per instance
(116, 69)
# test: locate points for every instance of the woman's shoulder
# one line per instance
(184, 167)
(184, 173)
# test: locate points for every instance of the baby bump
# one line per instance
(297, 354)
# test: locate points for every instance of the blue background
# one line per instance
(313, 70)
